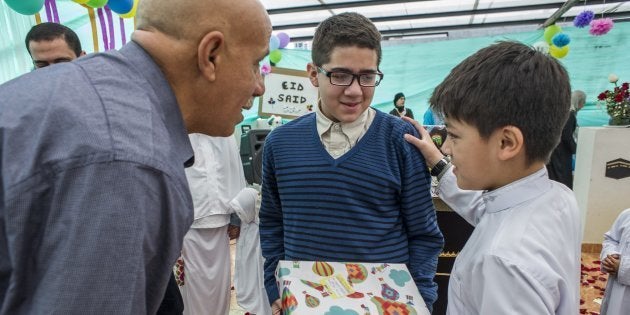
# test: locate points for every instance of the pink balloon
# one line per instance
(284, 39)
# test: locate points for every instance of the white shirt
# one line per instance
(523, 256)
(212, 184)
(338, 138)
(617, 241)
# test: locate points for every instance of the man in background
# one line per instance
(94, 202)
(560, 166)
(218, 187)
(50, 43)
(399, 107)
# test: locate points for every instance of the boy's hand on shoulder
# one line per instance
(425, 145)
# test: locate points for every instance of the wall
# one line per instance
(600, 198)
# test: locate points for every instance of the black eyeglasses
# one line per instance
(343, 78)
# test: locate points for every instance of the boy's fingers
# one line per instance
(416, 124)
(415, 141)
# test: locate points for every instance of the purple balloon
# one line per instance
(284, 39)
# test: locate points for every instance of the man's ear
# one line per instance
(82, 53)
(510, 142)
(311, 68)
(208, 54)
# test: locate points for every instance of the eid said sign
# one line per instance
(288, 93)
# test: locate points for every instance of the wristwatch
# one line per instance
(439, 167)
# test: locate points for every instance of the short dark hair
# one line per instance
(344, 30)
(50, 31)
(398, 96)
(509, 83)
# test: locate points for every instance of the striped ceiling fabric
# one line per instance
(397, 19)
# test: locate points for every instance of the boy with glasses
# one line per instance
(341, 184)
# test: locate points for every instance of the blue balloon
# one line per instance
(561, 40)
(274, 43)
(120, 6)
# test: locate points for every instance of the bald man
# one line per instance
(94, 202)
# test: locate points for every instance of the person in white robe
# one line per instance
(615, 258)
(218, 188)
(523, 256)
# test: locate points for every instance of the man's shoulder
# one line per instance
(76, 118)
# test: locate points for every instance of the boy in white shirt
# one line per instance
(615, 259)
(504, 109)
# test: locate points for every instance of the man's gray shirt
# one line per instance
(94, 202)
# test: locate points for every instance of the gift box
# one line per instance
(335, 288)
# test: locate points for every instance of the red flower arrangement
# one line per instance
(617, 102)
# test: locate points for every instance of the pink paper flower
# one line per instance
(601, 26)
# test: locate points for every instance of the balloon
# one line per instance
(284, 39)
(541, 46)
(120, 6)
(275, 56)
(96, 3)
(81, 1)
(550, 31)
(131, 13)
(558, 52)
(274, 43)
(323, 268)
(26, 7)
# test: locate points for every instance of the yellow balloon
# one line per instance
(550, 31)
(131, 13)
(558, 52)
(81, 1)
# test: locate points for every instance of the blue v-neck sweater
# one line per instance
(370, 205)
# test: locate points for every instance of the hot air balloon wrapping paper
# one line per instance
(337, 288)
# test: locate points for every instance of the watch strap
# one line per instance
(438, 167)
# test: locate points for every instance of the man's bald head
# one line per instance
(209, 51)
(190, 19)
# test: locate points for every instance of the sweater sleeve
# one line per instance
(424, 236)
(271, 224)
